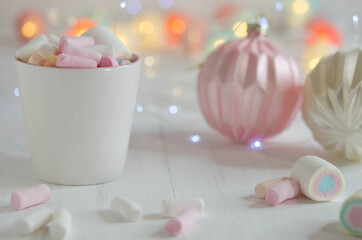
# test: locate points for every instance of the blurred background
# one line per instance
(174, 36)
(306, 29)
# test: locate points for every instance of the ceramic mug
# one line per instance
(78, 121)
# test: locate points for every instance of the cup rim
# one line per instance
(134, 56)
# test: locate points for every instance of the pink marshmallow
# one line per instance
(75, 50)
(182, 222)
(108, 62)
(79, 41)
(70, 61)
(282, 191)
(30, 197)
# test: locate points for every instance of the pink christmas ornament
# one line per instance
(249, 90)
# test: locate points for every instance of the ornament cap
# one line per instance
(257, 28)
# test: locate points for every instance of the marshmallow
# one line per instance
(54, 39)
(61, 224)
(125, 62)
(282, 191)
(79, 41)
(51, 61)
(261, 188)
(126, 208)
(318, 179)
(31, 47)
(104, 36)
(105, 50)
(172, 207)
(49, 64)
(48, 49)
(37, 59)
(33, 221)
(184, 220)
(30, 197)
(75, 50)
(351, 214)
(108, 62)
(69, 61)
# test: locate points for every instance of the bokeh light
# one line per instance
(81, 25)
(149, 61)
(279, 6)
(177, 91)
(123, 4)
(165, 4)
(29, 24)
(256, 144)
(139, 108)
(195, 138)
(150, 73)
(133, 7)
(29, 29)
(218, 42)
(313, 62)
(240, 29)
(146, 27)
(173, 109)
(16, 92)
(178, 26)
(355, 19)
(300, 7)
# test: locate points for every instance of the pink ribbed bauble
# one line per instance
(249, 90)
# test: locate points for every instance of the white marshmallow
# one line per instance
(126, 208)
(104, 36)
(33, 221)
(105, 50)
(125, 62)
(48, 49)
(61, 225)
(31, 47)
(318, 179)
(172, 207)
(54, 39)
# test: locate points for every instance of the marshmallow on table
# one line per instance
(33, 221)
(54, 39)
(108, 62)
(37, 59)
(182, 222)
(79, 41)
(70, 61)
(48, 49)
(351, 214)
(282, 191)
(75, 50)
(61, 224)
(126, 208)
(172, 207)
(318, 179)
(30, 197)
(31, 47)
(105, 50)
(104, 36)
(261, 188)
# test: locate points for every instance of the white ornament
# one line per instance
(332, 106)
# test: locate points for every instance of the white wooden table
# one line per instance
(162, 163)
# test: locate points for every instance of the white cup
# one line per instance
(78, 121)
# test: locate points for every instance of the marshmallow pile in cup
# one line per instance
(98, 47)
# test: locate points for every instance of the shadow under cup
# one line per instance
(78, 121)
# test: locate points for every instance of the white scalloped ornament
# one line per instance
(332, 106)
